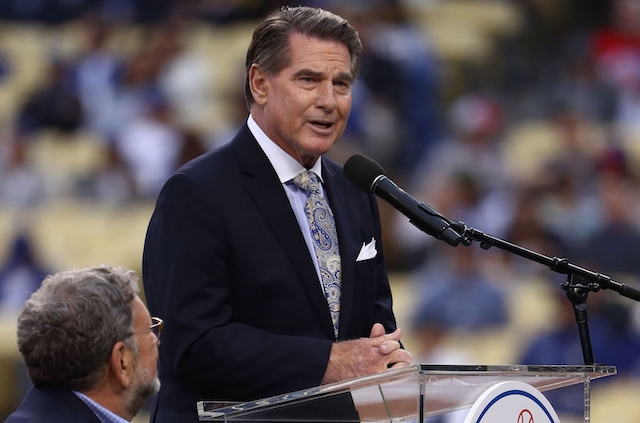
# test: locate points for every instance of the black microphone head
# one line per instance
(362, 171)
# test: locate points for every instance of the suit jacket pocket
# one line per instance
(366, 267)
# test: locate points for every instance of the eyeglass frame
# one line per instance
(156, 327)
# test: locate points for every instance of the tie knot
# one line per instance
(307, 181)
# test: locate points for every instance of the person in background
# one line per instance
(266, 299)
(90, 347)
(21, 273)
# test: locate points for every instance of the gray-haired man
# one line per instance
(90, 347)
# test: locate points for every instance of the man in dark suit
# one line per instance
(90, 348)
(261, 301)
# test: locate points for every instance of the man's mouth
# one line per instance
(324, 125)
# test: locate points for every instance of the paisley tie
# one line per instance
(325, 242)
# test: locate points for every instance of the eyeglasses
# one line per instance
(156, 328)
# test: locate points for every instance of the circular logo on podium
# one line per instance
(512, 402)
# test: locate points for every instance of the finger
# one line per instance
(400, 356)
(377, 330)
(379, 340)
(389, 346)
(393, 336)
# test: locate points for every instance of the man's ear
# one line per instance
(259, 84)
(122, 363)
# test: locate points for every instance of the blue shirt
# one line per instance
(102, 413)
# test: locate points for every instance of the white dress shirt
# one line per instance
(287, 168)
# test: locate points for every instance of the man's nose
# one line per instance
(326, 96)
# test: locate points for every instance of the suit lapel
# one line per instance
(264, 187)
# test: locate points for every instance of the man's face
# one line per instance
(145, 382)
(305, 107)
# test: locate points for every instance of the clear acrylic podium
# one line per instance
(413, 394)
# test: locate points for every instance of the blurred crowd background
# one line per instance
(520, 118)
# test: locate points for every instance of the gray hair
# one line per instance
(67, 328)
(269, 47)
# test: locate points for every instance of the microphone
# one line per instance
(369, 176)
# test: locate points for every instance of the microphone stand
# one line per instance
(580, 281)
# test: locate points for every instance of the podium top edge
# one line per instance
(591, 369)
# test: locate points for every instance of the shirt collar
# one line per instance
(285, 166)
(102, 413)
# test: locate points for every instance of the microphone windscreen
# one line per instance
(361, 171)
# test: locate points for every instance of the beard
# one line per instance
(143, 387)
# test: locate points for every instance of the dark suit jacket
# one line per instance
(226, 266)
(55, 405)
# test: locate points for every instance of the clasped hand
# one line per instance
(366, 356)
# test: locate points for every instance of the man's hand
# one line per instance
(366, 356)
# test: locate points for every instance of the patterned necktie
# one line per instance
(325, 242)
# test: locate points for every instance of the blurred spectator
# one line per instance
(151, 148)
(563, 189)
(527, 230)
(560, 345)
(138, 91)
(472, 157)
(455, 297)
(111, 184)
(21, 185)
(474, 147)
(616, 54)
(186, 77)
(141, 126)
(20, 275)
(615, 339)
(429, 337)
(455, 292)
(582, 140)
(579, 91)
(54, 105)
(613, 247)
(97, 73)
(566, 211)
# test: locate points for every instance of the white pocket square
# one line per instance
(368, 251)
